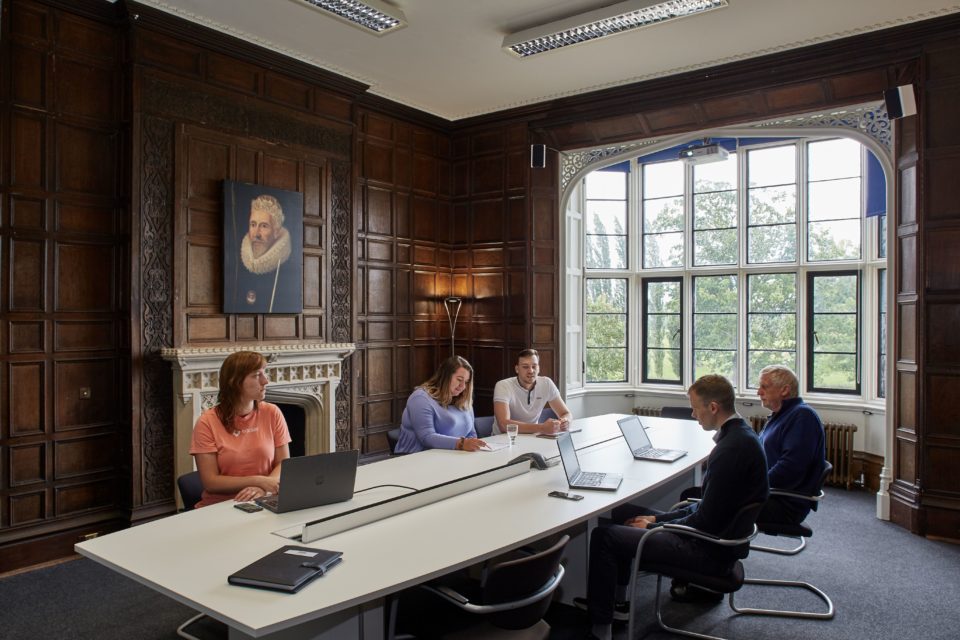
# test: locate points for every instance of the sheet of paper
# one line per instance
(494, 444)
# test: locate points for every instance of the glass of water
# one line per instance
(512, 431)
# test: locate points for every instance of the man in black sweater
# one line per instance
(736, 476)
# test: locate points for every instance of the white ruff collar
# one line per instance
(275, 256)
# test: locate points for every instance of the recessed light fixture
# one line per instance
(370, 15)
(608, 21)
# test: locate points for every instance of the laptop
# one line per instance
(312, 481)
(639, 442)
(578, 479)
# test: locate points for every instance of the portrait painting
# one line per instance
(262, 249)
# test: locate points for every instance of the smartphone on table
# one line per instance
(565, 495)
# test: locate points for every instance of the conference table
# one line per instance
(189, 556)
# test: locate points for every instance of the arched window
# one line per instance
(752, 251)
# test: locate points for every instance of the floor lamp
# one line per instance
(452, 305)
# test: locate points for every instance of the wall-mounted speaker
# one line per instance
(538, 156)
(900, 102)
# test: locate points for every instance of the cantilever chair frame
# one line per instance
(681, 530)
(463, 602)
(792, 551)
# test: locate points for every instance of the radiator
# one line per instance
(839, 445)
(840, 453)
(647, 411)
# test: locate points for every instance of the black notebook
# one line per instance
(287, 569)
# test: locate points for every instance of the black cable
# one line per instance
(377, 486)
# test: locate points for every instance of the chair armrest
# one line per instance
(684, 503)
(799, 496)
(702, 535)
(690, 532)
(461, 601)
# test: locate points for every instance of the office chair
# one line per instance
(393, 437)
(729, 583)
(678, 413)
(801, 532)
(513, 595)
(191, 489)
(484, 426)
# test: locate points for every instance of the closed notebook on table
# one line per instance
(288, 568)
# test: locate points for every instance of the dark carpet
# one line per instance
(884, 581)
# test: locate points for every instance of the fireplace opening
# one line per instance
(296, 417)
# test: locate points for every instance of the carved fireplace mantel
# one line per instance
(303, 374)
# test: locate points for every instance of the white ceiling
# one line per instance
(448, 60)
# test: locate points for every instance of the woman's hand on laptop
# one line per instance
(249, 493)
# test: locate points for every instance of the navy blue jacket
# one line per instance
(793, 440)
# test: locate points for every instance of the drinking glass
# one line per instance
(512, 431)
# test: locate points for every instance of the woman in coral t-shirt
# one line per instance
(238, 444)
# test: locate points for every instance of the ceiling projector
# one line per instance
(703, 154)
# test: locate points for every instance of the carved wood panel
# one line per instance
(64, 367)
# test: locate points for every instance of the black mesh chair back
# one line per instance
(393, 437)
(191, 489)
(484, 426)
(514, 580)
(677, 413)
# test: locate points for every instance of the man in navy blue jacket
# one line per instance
(736, 476)
(793, 441)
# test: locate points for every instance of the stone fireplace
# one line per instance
(304, 375)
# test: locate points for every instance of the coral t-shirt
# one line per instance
(247, 449)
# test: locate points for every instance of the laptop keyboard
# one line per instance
(591, 478)
(270, 502)
(652, 453)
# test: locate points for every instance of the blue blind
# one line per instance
(876, 204)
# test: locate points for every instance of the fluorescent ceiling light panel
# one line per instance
(608, 21)
(369, 15)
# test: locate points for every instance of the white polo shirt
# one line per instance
(525, 405)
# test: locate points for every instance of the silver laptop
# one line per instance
(578, 479)
(312, 481)
(639, 442)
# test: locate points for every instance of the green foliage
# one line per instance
(606, 328)
(835, 330)
(663, 364)
(606, 365)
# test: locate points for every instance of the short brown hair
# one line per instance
(234, 369)
(714, 388)
(438, 386)
(528, 353)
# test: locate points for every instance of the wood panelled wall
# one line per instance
(440, 217)
(200, 117)
(65, 291)
(927, 438)
(115, 132)
(404, 265)
(509, 289)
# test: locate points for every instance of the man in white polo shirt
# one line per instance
(521, 399)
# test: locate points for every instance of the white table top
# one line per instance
(189, 556)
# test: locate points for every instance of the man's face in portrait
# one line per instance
(262, 232)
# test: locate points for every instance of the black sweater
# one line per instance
(736, 476)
